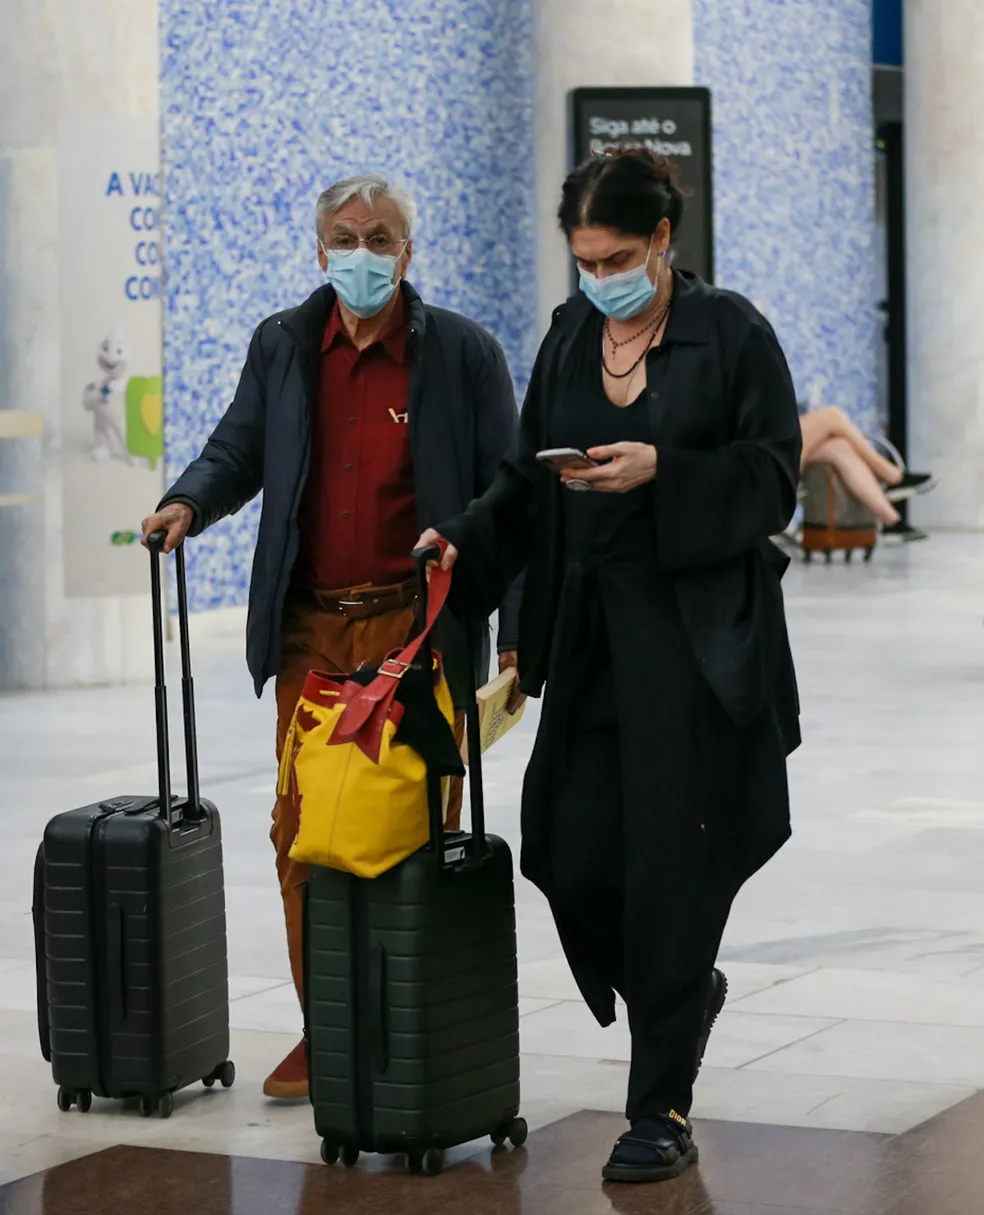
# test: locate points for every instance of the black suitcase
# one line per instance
(411, 994)
(130, 930)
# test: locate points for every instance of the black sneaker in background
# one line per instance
(716, 995)
(901, 533)
(911, 485)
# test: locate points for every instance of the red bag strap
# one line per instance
(383, 688)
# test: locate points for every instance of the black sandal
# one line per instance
(656, 1149)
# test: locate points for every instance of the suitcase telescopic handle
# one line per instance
(473, 732)
(422, 558)
(172, 815)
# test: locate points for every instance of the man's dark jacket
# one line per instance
(462, 419)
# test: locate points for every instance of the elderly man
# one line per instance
(364, 415)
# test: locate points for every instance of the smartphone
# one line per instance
(559, 458)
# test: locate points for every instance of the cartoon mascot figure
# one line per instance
(101, 398)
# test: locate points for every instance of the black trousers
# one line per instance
(657, 953)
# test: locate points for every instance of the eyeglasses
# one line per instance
(341, 244)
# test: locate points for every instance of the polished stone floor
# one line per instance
(745, 1170)
(856, 959)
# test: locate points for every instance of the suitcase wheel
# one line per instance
(163, 1106)
(515, 1131)
(868, 554)
(429, 1163)
(331, 1152)
(80, 1098)
(225, 1074)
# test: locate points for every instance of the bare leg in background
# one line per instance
(822, 425)
(858, 478)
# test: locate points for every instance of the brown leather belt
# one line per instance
(361, 603)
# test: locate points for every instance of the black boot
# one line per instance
(716, 995)
(656, 1149)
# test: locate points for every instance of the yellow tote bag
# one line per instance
(360, 792)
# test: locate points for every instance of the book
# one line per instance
(495, 721)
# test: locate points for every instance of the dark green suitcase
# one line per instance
(411, 996)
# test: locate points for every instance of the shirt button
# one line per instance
(350, 468)
(346, 514)
(352, 421)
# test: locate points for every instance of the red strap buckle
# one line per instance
(380, 693)
(394, 668)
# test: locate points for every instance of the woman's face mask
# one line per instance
(622, 296)
(364, 281)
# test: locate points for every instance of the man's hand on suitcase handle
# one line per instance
(174, 520)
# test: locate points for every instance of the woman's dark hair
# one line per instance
(627, 188)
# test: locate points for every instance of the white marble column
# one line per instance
(944, 97)
(584, 44)
(58, 59)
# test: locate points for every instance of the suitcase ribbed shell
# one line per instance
(412, 1003)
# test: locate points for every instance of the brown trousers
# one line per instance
(314, 639)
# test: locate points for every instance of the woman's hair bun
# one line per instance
(663, 170)
(627, 187)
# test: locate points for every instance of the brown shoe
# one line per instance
(289, 1081)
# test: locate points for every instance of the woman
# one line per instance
(652, 611)
(830, 437)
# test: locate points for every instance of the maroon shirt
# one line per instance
(358, 516)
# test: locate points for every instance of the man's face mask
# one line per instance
(363, 280)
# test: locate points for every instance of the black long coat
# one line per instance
(462, 418)
(727, 433)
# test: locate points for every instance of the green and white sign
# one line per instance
(112, 440)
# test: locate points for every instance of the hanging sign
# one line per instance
(675, 122)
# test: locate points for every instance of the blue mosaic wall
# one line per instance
(264, 103)
(794, 180)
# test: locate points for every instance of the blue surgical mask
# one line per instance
(363, 280)
(621, 296)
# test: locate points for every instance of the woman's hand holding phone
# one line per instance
(618, 468)
(565, 458)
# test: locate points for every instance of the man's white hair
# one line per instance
(368, 187)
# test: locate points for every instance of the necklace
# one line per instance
(624, 375)
(627, 341)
